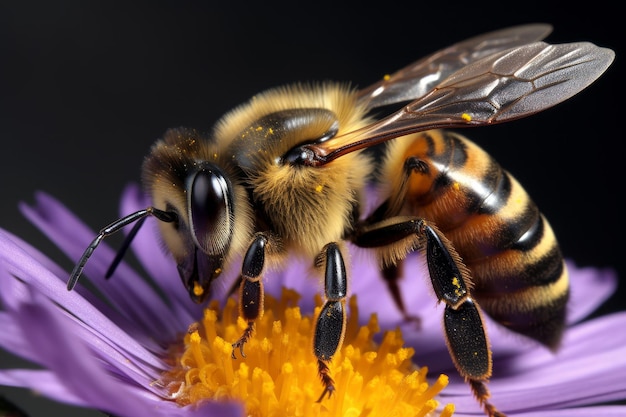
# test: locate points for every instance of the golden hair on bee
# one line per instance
(339, 98)
(322, 200)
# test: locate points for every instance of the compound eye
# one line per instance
(210, 211)
(300, 155)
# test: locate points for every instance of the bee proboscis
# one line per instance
(286, 174)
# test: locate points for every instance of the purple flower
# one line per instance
(108, 355)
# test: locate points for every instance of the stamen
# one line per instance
(280, 375)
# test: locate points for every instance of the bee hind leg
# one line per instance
(463, 324)
(465, 332)
(330, 327)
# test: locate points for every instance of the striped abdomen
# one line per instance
(517, 268)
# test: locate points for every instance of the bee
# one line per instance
(285, 175)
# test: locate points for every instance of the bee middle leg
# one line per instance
(391, 275)
(330, 327)
(465, 332)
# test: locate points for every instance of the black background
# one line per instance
(86, 87)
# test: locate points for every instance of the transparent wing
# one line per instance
(420, 77)
(503, 86)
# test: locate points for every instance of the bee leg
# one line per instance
(391, 275)
(251, 289)
(397, 236)
(235, 286)
(464, 329)
(331, 323)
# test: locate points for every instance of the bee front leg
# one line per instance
(331, 323)
(251, 290)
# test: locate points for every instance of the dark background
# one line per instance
(86, 87)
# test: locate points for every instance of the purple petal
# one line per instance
(589, 370)
(15, 294)
(42, 381)
(12, 338)
(69, 357)
(89, 350)
(72, 359)
(49, 385)
(582, 341)
(590, 287)
(604, 411)
(599, 411)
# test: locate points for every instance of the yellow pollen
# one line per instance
(279, 375)
(466, 117)
(197, 289)
(319, 188)
(386, 77)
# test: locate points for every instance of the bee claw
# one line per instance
(327, 380)
(239, 344)
(328, 391)
(247, 334)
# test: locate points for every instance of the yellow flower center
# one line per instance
(279, 375)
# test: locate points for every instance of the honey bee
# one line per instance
(285, 174)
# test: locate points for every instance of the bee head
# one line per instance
(200, 194)
(210, 229)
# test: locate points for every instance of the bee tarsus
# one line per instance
(327, 380)
(241, 342)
